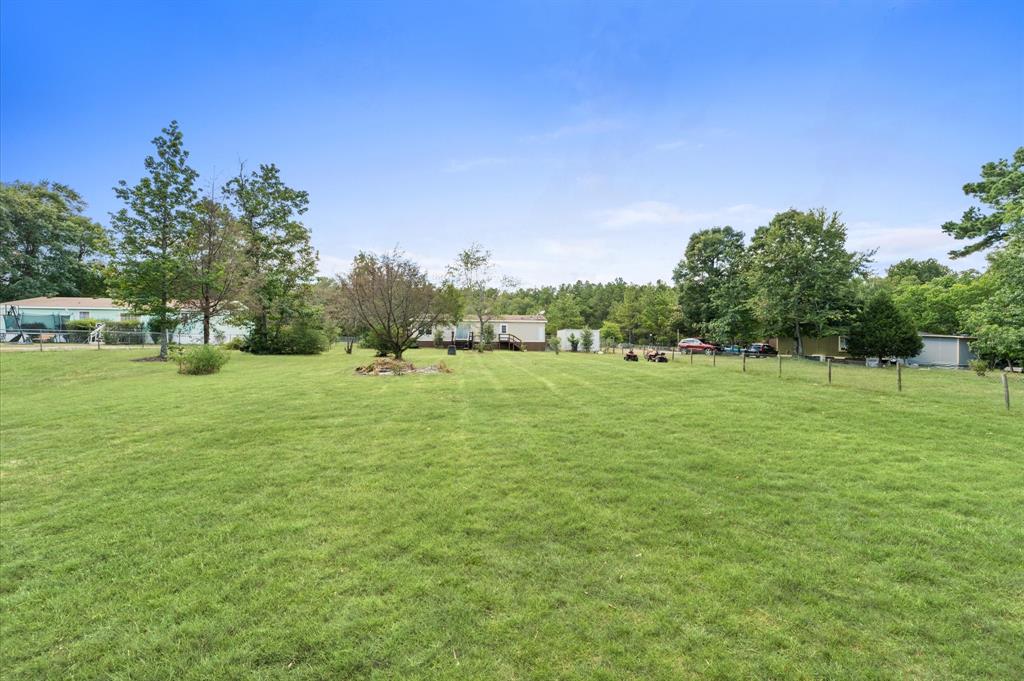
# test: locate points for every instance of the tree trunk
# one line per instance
(163, 343)
(799, 340)
(206, 328)
(879, 361)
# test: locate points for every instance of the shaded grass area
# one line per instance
(527, 516)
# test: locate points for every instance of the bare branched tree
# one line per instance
(390, 297)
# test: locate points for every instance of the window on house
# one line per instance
(844, 344)
(504, 328)
(84, 314)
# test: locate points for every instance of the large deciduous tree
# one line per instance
(154, 227)
(390, 298)
(279, 261)
(921, 271)
(712, 291)
(800, 273)
(47, 246)
(881, 330)
(1001, 188)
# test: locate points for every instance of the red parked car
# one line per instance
(697, 345)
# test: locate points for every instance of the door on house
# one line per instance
(462, 331)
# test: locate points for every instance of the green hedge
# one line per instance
(124, 333)
(78, 330)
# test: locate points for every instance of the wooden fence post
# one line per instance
(829, 370)
(744, 356)
(899, 377)
(1006, 391)
(780, 365)
(691, 357)
(714, 355)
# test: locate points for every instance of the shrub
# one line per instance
(587, 339)
(236, 343)
(979, 366)
(78, 330)
(123, 333)
(574, 342)
(439, 337)
(300, 339)
(200, 360)
(486, 337)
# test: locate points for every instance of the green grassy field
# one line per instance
(527, 516)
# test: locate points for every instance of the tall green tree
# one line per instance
(800, 273)
(921, 271)
(1001, 188)
(48, 247)
(997, 320)
(278, 258)
(564, 313)
(214, 262)
(153, 227)
(881, 330)
(660, 313)
(939, 305)
(712, 290)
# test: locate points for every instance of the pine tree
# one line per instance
(881, 330)
(154, 226)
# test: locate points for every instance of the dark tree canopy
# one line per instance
(47, 246)
(1001, 188)
(881, 330)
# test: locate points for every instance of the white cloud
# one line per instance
(920, 241)
(583, 249)
(464, 165)
(330, 265)
(662, 213)
(585, 128)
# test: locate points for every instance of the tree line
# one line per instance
(176, 253)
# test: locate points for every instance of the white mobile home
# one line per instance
(511, 332)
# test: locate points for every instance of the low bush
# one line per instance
(237, 343)
(301, 339)
(200, 360)
(124, 333)
(78, 330)
(979, 366)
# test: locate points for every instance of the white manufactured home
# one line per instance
(511, 332)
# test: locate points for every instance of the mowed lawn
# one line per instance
(528, 516)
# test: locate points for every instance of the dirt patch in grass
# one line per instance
(158, 358)
(386, 366)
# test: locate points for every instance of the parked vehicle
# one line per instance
(760, 350)
(697, 345)
(732, 349)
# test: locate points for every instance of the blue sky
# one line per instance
(575, 140)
